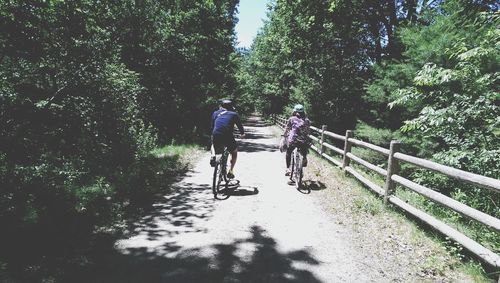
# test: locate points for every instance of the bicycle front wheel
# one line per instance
(216, 179)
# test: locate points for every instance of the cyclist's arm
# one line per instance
(212, 124)
(308, 127)
(308, 132)
(239, 125)
(288, 127)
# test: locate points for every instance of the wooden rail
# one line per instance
(322, 147)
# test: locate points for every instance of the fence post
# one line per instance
(321, 148)
(347, 149)
(392, 168)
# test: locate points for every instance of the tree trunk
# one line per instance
(411, 15)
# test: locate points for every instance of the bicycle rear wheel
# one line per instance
(220, 175)
(298, 170)
(223, 173)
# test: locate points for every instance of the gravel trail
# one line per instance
(266, 231)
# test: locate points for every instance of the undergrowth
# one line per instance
(45, 250)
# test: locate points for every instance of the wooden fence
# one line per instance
(394, 157)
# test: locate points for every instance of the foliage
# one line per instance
(313, 53)
(444, 97)
(459, 108)
(377, 136)
(184, 52)
(87, 90)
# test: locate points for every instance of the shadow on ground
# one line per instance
(181, 208)
(244, 191)
(314, 185)
(239, 191)
(251, 134)
(261, 262)
(249, 146)
(256, 122)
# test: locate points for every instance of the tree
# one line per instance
(86, 87)
(314, 53)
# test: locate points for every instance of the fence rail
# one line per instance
(392, 179)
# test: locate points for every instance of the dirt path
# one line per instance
(266, 232)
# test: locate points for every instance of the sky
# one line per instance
(250, 16)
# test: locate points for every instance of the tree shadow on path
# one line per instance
(252, 259)
(159, 257)
(180, 209)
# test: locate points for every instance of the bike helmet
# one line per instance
(226, 103)
(298, 108)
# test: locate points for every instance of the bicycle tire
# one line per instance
(219, 180)
(298, 170)
(225, 156)
(221, 174)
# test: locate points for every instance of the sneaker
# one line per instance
(304, 162)
(230, 175)
(212, 161)
(287, 172)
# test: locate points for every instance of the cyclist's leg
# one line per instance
(216, 148)
(218, 143)
(234, 156)
(212, 148)
(233, 149)
(288, 158)
(304, 150)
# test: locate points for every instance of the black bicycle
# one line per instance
(297, 172)
(220, 173)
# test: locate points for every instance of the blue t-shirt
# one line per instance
(223, 122)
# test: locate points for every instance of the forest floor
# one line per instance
(267, 231)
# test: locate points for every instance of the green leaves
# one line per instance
(86, 89)
(443, 98)
(431, 75)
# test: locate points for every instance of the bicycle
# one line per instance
(220, 173)
(297, 172)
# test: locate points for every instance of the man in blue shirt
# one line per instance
(223, 121)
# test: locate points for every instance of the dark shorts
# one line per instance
(220, 142)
